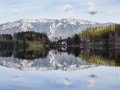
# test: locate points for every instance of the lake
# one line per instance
(60, 69)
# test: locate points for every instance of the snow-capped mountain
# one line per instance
(59, 61)
(53, 27)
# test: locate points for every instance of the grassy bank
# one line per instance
(96, 45)
(18, 45)
(99, 45)
(34, 45)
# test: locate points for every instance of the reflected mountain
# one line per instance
(107, 57)
(54, 61)
(66, 59)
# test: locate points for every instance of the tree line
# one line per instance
(28, 36)
(32, 36)
(108, 33)
(6, 37)
(20, 39)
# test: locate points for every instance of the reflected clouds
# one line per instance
(65, 81)
(59, 80)
(16, 78)
(92, 79)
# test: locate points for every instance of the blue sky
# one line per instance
(94, 10)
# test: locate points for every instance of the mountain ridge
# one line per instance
(52, 27)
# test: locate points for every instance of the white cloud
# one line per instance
(92, 79)
(92, 10)
(65, 81)
(36, 9)
(67, 7)
(16, 78)
(15, 11)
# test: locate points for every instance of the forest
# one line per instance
(32, 36)
(109, 33)
(23, 39)
(104, 36)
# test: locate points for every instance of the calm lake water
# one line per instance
(71, 69)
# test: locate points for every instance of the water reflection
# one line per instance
(88, 79)
(102, 57)
(32, 55)
(71, 55)
(53, 61)
(60, 69)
